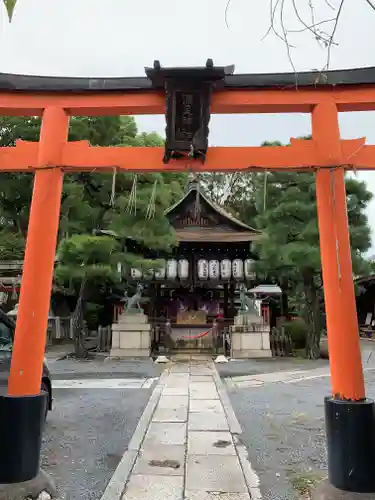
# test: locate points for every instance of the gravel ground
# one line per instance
(89, 429)
(283, 425)
(99, 368)
(86, 436)
(239, 368)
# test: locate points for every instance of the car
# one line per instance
(7, 329)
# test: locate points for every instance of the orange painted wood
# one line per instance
(343, 337)
(284, 100)
(52, 155)
(352, 381)
(30, 335)
(80, 156)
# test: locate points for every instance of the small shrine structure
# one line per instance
(192, 300)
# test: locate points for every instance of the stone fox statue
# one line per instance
(247, 305)
(133, 302)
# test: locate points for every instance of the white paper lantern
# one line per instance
(237, 268)
(183, 269)
(214, 269)
(135, 273)
(202, 269)
(160, 272)
(249, 269)
(172, 269)
(226, 269)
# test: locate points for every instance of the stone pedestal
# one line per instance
(131, 336)
(250, 337)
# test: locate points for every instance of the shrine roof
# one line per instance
(239, 230)
(34, 83)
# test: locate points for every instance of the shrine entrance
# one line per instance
(191, 295)
(188, 96)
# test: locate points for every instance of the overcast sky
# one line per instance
(121, 37)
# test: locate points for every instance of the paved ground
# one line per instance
(190, 448)
(89, 428)
(279, 404)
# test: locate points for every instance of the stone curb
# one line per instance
(233, 423)
(117, 483)
(251, 478)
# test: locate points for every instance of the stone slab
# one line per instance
(115, 486)
(165, 433)
(184, 383)
(147, 487)
(115, 340)
(129, 353)
(167, 460)
(207, 421)
(134, 340)
(214, 473)
(184, 368)
(170, 415)
(245, 319)
(129, 327)
(215, 495)
(167, 401)
(251, 354)
(210, 443)
(137, 317)
(203, 390)
(194, 370)
(201, 378)
(176, 391)
(201, 405)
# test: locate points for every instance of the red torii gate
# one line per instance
(322, 96)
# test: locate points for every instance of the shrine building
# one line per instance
(192, 299)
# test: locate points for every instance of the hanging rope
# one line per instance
(113, 190)
(151, 209)
(265, 191)
(132, 202)
(197, 207)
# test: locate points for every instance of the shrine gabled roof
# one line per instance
(34, 83)
(217, 208)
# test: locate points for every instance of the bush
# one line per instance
(297, 330)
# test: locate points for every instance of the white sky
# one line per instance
(120, 37)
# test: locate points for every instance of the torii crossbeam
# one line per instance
(321, 95)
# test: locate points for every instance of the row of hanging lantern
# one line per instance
(226, 269)
(207, 269)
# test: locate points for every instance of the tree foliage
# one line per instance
(131, 206)
(87, 201)
(283, 205)
(289, 249)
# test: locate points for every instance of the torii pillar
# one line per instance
(22, 411)
(349, 415)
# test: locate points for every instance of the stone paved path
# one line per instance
(191, 449)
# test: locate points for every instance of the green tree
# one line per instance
(235, 192)
(91, 201)
(283, 205)
(83, 261)
(290, 250)
(86, 200)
